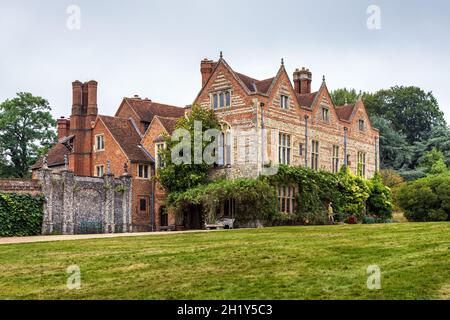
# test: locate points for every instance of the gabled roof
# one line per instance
(306, 99)
(256, 86)
(345, 112)
(168, 123)
(147, 109)
(125, 134)
(55, 157)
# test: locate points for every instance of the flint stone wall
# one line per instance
(85, 205)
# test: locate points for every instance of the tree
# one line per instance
(427, 199)
(410, 110)
(395, 152)
(180, 177)
(344, 96)
(26, 126)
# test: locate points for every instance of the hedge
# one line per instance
(20, 214)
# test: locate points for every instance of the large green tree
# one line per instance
(26, 130)
(410, 110)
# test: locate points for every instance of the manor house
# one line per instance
(290, 123)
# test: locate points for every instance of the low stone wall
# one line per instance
(21, 186)
(85, 205)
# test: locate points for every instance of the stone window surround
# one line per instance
(97, 142)
(325, 116)
(145, 168)
(159, 146)
(99, 170)
(217, 93)
(335, 159)
(361, 125)
(315, 150)
(284, 149)
(284, 102)
(286, 199)
(361, 163)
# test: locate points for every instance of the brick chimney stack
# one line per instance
(63, 125)
(84, 113)
(302, 81)
(206, 68)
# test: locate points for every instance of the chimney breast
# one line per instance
(206, 68)
(63, 126)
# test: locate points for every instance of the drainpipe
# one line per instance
(263, 140)
(306, 141)
(376, 155)
(152, 211)
(345, 147)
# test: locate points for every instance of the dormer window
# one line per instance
(325, 114)
(221, 100)
(361, 125)
(284, 102)
(99, 142)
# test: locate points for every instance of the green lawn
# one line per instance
(326, 262)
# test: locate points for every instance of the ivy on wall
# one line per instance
(20, 214)
(256, 199)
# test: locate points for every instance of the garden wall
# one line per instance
(81, 205)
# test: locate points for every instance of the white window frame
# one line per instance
(100, 170)
(145, 169)
(96, 145)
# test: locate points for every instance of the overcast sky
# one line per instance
(154, 48)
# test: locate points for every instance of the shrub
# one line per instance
(355, 191)
(427, 199)
(20, 214)
(379, 202)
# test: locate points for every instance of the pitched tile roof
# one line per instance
(306, 99)
(146, 109)
(55, 157)
(127, 137)
(253, 85)
(168, 123)
(345, 112)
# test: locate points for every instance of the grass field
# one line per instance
(326, 262)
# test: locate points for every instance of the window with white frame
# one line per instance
(99, 170)
(286, 199)
(99, 142)
(325, 114)
(335, 163)
(362, 164)
(284, 149)
(159, 157)
(315, 155)
(143, 171)
(220, 100)
(284, 102)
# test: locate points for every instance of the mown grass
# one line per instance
(326, 262)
